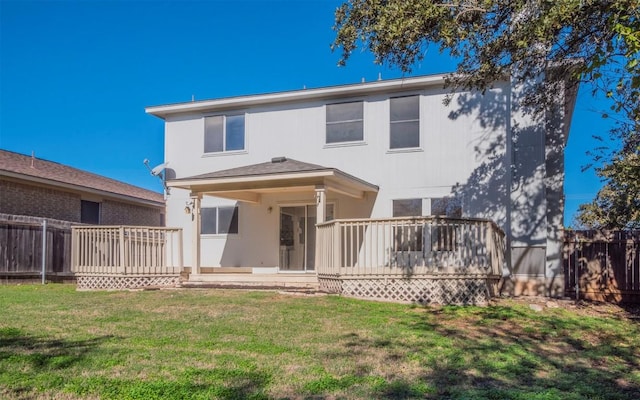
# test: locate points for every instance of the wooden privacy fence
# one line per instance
(425, 259)
(118, 257)
(602, 265)
(21, 248)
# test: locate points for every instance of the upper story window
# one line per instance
(345, 122)
(405, 122)
(223, 133)
(219, 220)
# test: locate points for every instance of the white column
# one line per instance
(321, 212)
(195, 233)
(321, 204)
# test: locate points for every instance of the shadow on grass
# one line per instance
(45, 354)
(24, 357)
(504, 352)
(218, 383)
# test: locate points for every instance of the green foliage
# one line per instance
(591, 41)
(617, 204)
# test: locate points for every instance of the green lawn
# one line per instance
(56, 343)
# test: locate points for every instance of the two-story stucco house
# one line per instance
(253, 179)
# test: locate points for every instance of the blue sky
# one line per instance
(75, 76)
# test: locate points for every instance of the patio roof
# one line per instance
(281, 174)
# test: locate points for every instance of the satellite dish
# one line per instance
(158, 169)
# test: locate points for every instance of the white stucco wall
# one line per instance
(465, 151)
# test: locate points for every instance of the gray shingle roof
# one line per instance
(282, 166)
(58, 173)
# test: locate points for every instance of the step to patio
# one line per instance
(252, 281)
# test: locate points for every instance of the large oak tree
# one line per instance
(593, 41)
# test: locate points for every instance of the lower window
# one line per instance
(219, 220)
(89, 212)
(408, 237)
(445, 237)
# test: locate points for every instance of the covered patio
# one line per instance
(285, 178)
(308, 243)
(416, 259)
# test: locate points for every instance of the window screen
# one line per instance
(223, 133)
(345, 122)
(446, 207)
(407, 208)
(405, 122)
(219, 220)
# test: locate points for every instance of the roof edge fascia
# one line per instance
(163, 111)
(78, 188)
(248, 178)
(324, 173)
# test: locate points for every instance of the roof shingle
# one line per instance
(281, 166)
(58, 173)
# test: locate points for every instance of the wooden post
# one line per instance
(180, 260)
(491, 248)
(321, 204)
(195, 237)
(121, 247)
(337, 249)
(321, 208)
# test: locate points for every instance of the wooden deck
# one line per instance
(125, 257)
(426, 260)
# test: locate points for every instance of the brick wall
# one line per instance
(19, 199)
(115, 213)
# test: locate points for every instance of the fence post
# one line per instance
(44, 250)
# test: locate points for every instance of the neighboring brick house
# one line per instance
(40, 188)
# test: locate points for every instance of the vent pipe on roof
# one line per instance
(33, 158)
(276, 160)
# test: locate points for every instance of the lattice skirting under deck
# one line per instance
(442, 290)
(111, 282)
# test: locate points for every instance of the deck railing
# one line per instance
(406, 247)
(126, 250)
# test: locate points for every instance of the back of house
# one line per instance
(251, 177)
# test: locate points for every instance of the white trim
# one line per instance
(225, 153)
(327, 94)
(338, 145)
(406, 150)
(331, 173)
